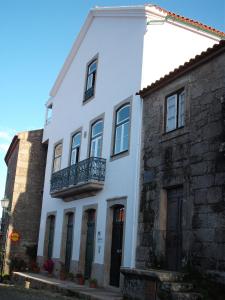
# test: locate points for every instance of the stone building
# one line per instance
(25, 160)
(182, 204)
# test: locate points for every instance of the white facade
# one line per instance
(135, 46)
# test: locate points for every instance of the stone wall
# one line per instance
(24, 185)
(191, 157)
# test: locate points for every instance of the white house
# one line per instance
(91, 190)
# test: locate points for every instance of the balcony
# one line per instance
(83, 179)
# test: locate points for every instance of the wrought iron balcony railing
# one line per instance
(89, 172)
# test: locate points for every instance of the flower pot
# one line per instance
(80, 280)
(93, 285)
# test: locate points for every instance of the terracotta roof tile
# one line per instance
(192, 63)
(190, 21)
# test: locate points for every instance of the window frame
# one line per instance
(97, 136)
(127, 101)
(53, 160)
(92, 122)
(85, 97)
(78, 131)
(176, 93)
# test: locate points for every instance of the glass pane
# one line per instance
(92, 67)
(171, 112)
(93, 146)
(181, 110)
(125, 136)
(99, 147)
(117, 148)
(56, 165)
(58, 150)
(123, 114)
(89, 82)
(76, 140)
(97, 128)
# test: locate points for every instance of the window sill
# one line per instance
(166, 136)
(119, 155)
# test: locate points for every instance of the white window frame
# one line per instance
(175, 111)
(75, 150)
(96, 140)
(57, 159)
(121, 124)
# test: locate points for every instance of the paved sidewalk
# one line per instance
(68, 288)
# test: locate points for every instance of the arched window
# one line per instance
(57, 157)
(75, 148)
(122, 125)
(96, 139)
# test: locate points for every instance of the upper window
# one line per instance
(57, 158)
(175, 111)
(96, 139)
(121, 141)
(90, 80)
(75, 148)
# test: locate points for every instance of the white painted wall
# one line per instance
(123, 68)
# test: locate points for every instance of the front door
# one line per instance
(69, 241)
(174, 228)
(117, 243)
(89, 243)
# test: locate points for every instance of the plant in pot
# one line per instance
(49, 266)
(80, 278)
(62, 273)
(93, 283)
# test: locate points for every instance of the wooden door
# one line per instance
(117, 243)
(69, 241)
(174, 228)
(89, 243)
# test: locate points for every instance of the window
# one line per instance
(57, 158)
(121, 136)
(90, 80)
(96, 139)
(49, 114)
(75, 148)
(175, 111)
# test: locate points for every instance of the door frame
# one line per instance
(111, 203)
(83, 236)
(64, 233)
(180, 229)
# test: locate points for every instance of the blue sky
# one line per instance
(36, 36)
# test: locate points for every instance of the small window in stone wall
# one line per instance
(175, 110)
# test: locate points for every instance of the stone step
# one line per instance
(162, 275)
(186, 296)
(176, 286)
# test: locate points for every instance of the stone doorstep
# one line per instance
(38, 281)
(161, 275)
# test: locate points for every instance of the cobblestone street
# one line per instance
(10, 292)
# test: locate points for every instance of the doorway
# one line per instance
(174, 228)
(117, 245)
(89, 254)
(69, 241)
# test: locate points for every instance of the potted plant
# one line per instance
(71, 276)
(93, 283)
(49, 266)
(34, 267)
(79, 278)
(62, 273)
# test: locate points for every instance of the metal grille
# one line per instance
(92, 168)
